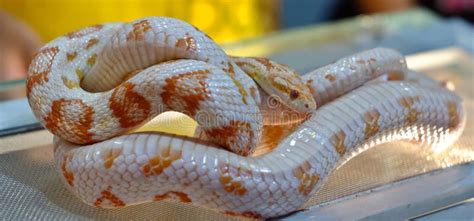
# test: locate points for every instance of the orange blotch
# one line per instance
(272, 135)
(108, 195)
(372, 61)
(454, 118)
(139, 30)
(249, 68)
(68, 175)
(76, 115)
(91, 59)
(309, 84)
(408, 102)
(160, 162)
(40, 68)
(372, 126)
(230, 179)
(265, 62)
(231, 213)
(308, 179)
(253, 92)
(187, 43)
(91, 42)
(176, 93)
(330, 77)
(338, 142)
(413, 114)
(395, 76)
(84, 31)
(71, 55)
(109, 156)
(242, 91)
(69, 83)
(360, 62)
(230, 70)
(179, 196)
(244, 66)
(130, 107)
(227, 135)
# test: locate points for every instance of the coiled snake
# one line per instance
(92, 87)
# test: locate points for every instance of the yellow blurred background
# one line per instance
(26, 25)
(224, 20)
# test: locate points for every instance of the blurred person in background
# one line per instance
(18, 45)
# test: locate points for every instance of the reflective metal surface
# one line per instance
(414, 197)
(458, 211)
(16, 117)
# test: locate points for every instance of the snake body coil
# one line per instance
(91, 87)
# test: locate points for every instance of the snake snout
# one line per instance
(310, 105)
(304, 104)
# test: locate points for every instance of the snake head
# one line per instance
(279, 81)
(289, 88)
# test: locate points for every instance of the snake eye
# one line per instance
(294, 94)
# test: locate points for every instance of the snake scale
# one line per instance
(93, 87)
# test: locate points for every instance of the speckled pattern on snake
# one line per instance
(93, 87)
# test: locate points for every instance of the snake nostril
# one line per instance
(306, 105)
